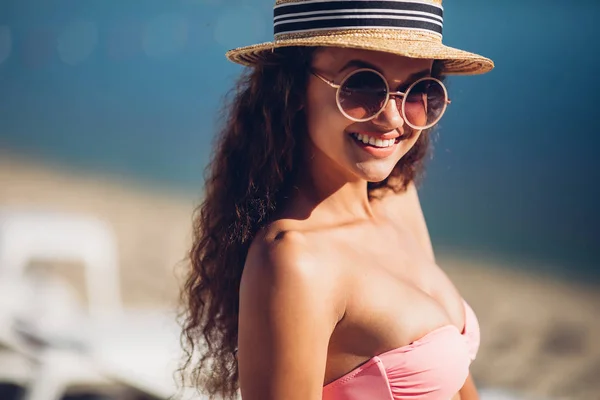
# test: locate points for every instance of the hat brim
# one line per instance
(454, 61)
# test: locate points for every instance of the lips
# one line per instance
(374, 141)
(372, 138)
(379, 135)
(375, 146)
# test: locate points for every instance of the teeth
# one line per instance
(374, 142)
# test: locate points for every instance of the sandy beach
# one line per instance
(539, 335)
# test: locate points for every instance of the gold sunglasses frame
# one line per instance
(389, 94)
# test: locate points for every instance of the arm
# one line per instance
(468, 391)
(286, 319)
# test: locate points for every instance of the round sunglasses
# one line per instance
(364, 93)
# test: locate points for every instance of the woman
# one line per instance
(313, 272)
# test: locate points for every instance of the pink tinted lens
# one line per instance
(362, 95)
(425, 103)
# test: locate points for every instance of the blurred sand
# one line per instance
(539, 335)
(152, 227)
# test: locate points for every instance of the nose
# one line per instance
(390, 117)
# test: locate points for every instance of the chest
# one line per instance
(393, 293)
(395, 297)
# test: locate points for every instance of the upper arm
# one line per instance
(286, 318)
(469, 391)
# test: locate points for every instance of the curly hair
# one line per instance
(254, 165)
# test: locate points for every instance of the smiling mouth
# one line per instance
(375, 142)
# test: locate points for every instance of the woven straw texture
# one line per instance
(403, 42)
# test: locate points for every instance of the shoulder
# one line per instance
(287, 315)
(278, 255)
(281, 267)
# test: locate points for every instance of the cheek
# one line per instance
(409, 143)
(325, 123)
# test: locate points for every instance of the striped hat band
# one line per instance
(316, 15)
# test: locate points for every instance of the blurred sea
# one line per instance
(132, 88)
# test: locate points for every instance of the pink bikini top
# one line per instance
(433, 367)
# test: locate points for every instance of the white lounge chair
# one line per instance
(100, 347)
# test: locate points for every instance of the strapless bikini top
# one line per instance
(433, 367)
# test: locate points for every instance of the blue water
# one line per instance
(132, 88)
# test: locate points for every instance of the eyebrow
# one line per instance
(364, 64)
(358, 64)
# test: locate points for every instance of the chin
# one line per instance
(374, 173)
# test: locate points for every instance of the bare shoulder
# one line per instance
(287, 312)
(284, 257)
(285, 261)
(275, 248)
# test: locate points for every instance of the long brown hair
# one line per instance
(254, 164)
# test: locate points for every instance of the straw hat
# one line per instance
(411, 28)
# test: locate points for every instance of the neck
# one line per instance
(326, 191)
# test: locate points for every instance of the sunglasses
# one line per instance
(364, 93)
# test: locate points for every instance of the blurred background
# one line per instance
(107, 113)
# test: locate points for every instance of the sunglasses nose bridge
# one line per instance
(398, 98)
(390, 116)
(396, 95)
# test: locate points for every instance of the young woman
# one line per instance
(313, 275)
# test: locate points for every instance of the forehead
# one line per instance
(390, 65)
